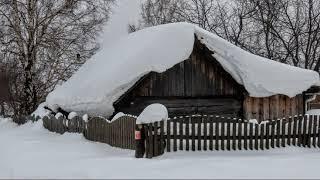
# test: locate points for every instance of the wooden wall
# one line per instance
(199, 76)
(196, 85)
(272, 107)
(199, 85)
(315, 104)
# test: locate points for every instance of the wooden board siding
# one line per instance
(315, 104)
(196, 85)
(273, 107)
(228, 107)
(199, 76)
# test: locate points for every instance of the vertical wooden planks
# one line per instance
(151, 140)
(205, 131)
(146, 135)
(262, 136)
(222, 133)
(294, 130)
(181, 122)
(193, 132)
(278, 129)
(228, 134)
(148, 153)
(187, 131)
(168, 135)
(256, 137)
(283, 133)
(310, 120)
(162, 136)
(314, 131)
(175, 146)
(199, 123)
(245, 135)
(299, 127)
(217, 127)
(251, 136)
(103, 132)
(304, 131)
(240, 134)
(289, 134)
(267, 135)
(112, 134)
(211, 133)
(234, 134)
(155, 139)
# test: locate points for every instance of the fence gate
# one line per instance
(214, 133)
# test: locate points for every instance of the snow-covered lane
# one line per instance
(30, 151)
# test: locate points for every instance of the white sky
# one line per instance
(125, 12)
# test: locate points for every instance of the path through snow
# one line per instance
(30, 151)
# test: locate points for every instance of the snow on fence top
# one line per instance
(112, 71)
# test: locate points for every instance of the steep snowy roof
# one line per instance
(111, 72)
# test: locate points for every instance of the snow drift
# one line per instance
(111, 72)
(153, 113)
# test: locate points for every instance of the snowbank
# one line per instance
(31, 152)
(112, 71)
(153, 113)
(40, 111)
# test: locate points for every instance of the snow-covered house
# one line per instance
(190, 71)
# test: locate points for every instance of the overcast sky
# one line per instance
(125, 12)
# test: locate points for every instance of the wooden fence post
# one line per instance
(240, 134)
(181, 122)
(262, 136)
(256, 137)
(155, 139)
(251, 136)
(289, 134)
(229, 134)
(187, 131)
(175, 146)
(199, 122)
(211, 133)
(314, 131)
(234, 134)
(283, 133)
(294, 130)
(205, 132)
(299, 126)
(140, 140)
(245, 134)
(168, 135)
(310, 119)
(222, 133)
(217, 129)
(304, 131)
(267, 135)
(278, 129)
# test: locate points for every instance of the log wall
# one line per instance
(272, 107)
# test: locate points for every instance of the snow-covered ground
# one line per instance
(30, 151)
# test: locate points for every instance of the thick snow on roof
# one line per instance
(111, 72)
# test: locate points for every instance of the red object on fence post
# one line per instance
(139, 138)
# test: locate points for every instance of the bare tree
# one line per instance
(156, 12)
(283, 30)
(43, 41)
